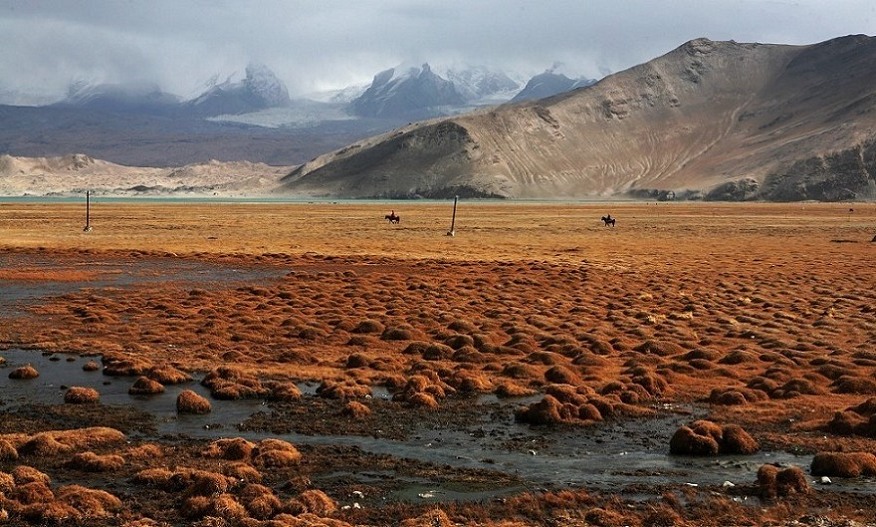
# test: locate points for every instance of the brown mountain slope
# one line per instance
(703, 115)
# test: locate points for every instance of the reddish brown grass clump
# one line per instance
(91, 462)
(737, 441)
(145, 452)
(231, 449)
(168, 374)
(24, 373)
(24, 474)
(356, 410)
(705, 438)
(6, 482)
(284, 391)
(81, 395)
(91, 366)
(31, 492)
(857, 420)
(189, 402)
(89, 503)
(62, 441)
(547, 411)
(844, 464)
(313, 501)
(146, 386)
(242, 472)
(342, 390)
(155, 477)
(220, 505)
(275, 453)
(7, 451)
(43, 444)
(118, 365)
(260, 501)
(230, 383)
(774, 481)
(202, 482)
(432, 518)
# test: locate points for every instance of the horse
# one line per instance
(608, 220)
(392, 217)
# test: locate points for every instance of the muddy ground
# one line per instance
(530, 370)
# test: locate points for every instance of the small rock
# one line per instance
(358, 494)
(728, 484)
(825, 480)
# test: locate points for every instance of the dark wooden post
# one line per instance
(87, 211)
(452, 231)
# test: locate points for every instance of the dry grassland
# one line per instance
(763, 313)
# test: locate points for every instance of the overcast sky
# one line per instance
(322, 44)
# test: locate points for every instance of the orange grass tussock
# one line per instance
(55, 442)
(168, 374)
(231, 449)
(26, 474)
(8, 452)
(705, 438)
(242, 471)
(156, 477)
(272, 452)
(24, 373)
(189, 402)
(432, 518)
(89, 503)
(91, 366)
(146, 386)
(81, 395)
(91, 462)
(356, 410)
(6, 482)
(312, 501)
(776, 481)
(844, 464)
(145, 452)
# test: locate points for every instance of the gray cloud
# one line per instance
(312, 45)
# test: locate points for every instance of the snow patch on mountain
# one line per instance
(407, 92)
(259, 89)
(481, 84)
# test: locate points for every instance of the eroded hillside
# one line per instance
(703, 115)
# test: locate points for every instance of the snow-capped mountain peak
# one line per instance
(407, 92)
(262, 82)
(259, 89)
(481, 84)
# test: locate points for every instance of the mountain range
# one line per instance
(242, 116)
(713, 120)
(708, 120)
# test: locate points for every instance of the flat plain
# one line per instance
(743, 320)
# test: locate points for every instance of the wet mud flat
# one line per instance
(29, 276)
(400, 384)
(477, 433)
